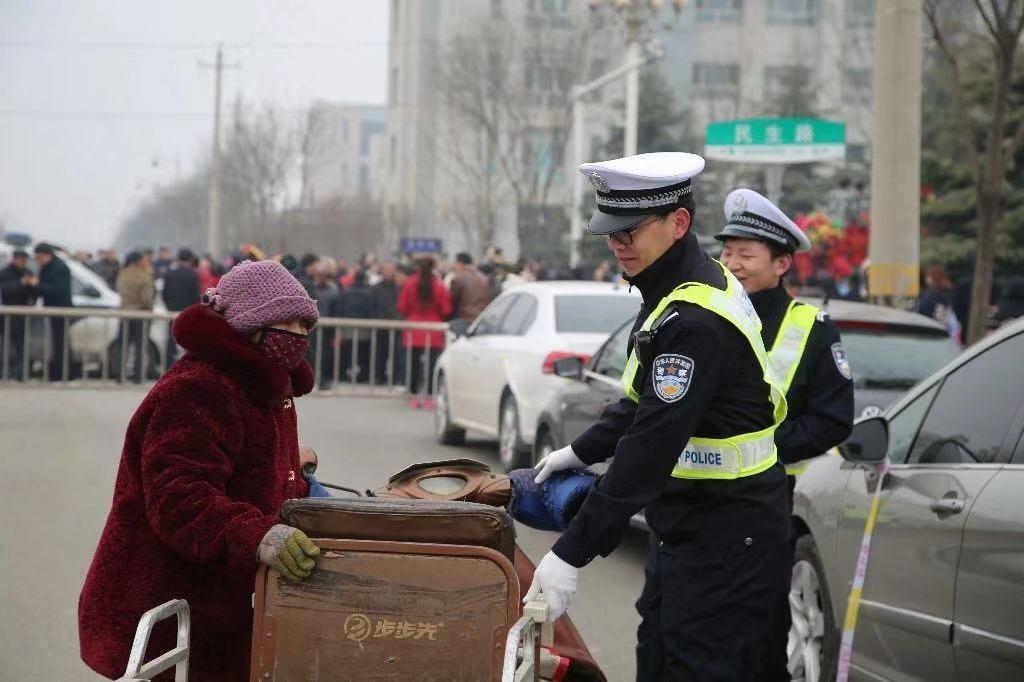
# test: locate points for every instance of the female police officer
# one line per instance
(692, 442)
(805, 352)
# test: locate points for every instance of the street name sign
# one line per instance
(775, 140)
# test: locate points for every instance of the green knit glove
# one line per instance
(288, 551)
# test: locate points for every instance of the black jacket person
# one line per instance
(807, 352)
(693, 446)
(54, 288)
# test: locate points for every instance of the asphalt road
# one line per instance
(58, 457)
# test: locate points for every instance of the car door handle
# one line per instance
(947, 505)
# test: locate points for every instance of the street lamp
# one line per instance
(635, 13)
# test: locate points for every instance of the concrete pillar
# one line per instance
(896, 151)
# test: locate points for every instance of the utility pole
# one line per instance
(635, 14)
(579, 121)
(896, 151)
(634, 22)
(213, 219)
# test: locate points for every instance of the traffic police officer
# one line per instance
(805, 351)
(693, 445)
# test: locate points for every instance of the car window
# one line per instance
(612, 359)
(489, 321)
(903, 427)
(895, 358)
(593, 313)
(973, 411)
(520, 315)
(1018, 457)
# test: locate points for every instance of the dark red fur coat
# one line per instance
(208, 459)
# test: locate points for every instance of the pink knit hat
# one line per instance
(257, 294)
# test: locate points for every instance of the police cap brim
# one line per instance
(742, 232)
(606, 223)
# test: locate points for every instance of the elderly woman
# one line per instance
(209, 457)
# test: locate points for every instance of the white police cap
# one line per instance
(749, 215)
(634, 187)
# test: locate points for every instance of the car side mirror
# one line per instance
(868, 443)
(569, 368)
(90, 291)
(459, 327)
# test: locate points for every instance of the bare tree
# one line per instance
(260, 162)
(992, 132)
(468, 160)
(170, 215)
(505, 92)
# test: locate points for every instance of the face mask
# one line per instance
(285, 349)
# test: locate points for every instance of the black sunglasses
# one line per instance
(625, 237)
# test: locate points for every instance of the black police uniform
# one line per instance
(820, 399)
(719, 563)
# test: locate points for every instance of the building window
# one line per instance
(860, 14)
(856, 153)
(364, 179)
(794, 12)
(785, 81)
(857, 86)
(548, 14)
(725, 11)
(548, 6)
(716, 79)
(539, 152)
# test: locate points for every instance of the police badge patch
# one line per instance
(842, 363)
(672, 374)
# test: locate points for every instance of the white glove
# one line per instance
(559, 460)
(556, 581)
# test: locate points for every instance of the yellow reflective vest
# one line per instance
(744, 454)
(785, 354)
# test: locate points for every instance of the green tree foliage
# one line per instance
(949, 216)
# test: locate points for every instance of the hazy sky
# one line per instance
(93, 92)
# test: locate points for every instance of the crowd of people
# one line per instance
(414, 288)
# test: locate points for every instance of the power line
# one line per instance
(141, 115)
(133, 45)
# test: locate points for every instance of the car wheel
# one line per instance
(544, 446)
(813, 638)
(510, 444)
(443, 429)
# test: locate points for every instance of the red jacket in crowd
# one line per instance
(209, 457)
(438, 309)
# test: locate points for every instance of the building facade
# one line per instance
(341, 153)
(474, 178)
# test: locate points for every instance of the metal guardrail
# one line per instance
(139, 671)
(102, 346)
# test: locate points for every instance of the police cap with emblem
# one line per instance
(634, 187)
(748, 215)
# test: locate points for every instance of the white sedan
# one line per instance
(497, 377)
